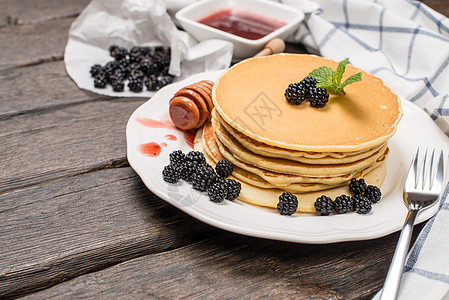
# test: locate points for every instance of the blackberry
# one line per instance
(171, 174)
(117, 75)
(196, 156)
(118, 86)
(224, 168)
(343, 204)
(117, 52)
(217, 192)
(109, 68)
(135, 85)
(163, 81)
(324, 205)
(151, 83)
(295, 93)
(95, 70)
(100, 81)
(318, 97)
(177, 157)
(308, 82)
(233, 188)
(361, 204)
(135, 55)
(357, 186)
(187, 170)
(202, 177)
(373, 193)
(147, 66)
(288, 203)
(137, 74)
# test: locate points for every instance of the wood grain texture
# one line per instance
(239, 267)
(52, 144)
(37, 88)
(34, 43)
(19, 12)
(54, 232)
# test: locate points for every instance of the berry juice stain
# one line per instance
(189, 137)
(151, 149)
(171, 137)
(168, 124)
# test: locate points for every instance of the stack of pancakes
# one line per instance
(277, 146)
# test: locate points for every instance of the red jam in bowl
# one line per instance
(241, 23)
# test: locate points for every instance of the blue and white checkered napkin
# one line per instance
(407, 45)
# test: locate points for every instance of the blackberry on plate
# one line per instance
(135, 85)
(318, 97)
(233, 188)
(177, 157)
(361, 204)
(357, 186)
(95, 70)
(187, 170)
(324, 205)
(202, 177)
(373, 193)
(224, 168)
(217, 192)
(295, 93)
(343, 204)
(100, 81)
(171, 174)
(308, 82)
(196, 156)
(288, 204)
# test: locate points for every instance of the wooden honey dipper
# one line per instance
(192, 105)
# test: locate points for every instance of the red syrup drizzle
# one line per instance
(189, 135)
(171, 137)
(151, 149)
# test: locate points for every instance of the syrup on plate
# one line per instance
(241, 23)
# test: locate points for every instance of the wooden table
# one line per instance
(77, 222)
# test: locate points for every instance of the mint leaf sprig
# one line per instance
(331, 80)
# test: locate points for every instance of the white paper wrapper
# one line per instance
(136, 23)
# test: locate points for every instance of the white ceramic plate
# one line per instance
(415, 129)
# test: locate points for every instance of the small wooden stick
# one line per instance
(275, 45)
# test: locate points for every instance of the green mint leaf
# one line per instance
(351, 79)
(330, 87)
(340, 70)
(331, 80)
(323, 74)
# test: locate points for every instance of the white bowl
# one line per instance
(189, 16)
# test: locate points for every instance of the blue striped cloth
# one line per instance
(407, 45)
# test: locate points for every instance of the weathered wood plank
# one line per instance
(238, 267)
(38, 87)
(54, 232)
(47, 145)
(18, 12)
(35, 43)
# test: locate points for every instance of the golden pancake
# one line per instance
(256, 191)
(271, 151)
(250, 97)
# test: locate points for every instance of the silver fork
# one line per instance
(422, 189)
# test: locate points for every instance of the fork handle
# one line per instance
(391, 285)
